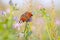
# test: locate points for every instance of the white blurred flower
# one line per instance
(21, 34)
(17, 6)
(47, 15)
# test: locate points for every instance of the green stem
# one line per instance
(27, 31)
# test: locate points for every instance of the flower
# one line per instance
(2, 12)
(57, 22)
(17, 26)
(10, 2)
(16, 18)
(8, 10)
(39, 6)
(40, 21)
(21, 34)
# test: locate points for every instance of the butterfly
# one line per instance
(25, 17)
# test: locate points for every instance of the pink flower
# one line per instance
(8, 10)
(57, 22)
(17, 26)
(40, 21)
(39, 7)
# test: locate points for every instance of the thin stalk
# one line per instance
(26, 31)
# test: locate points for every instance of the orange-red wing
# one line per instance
(26, 16)
(23, 19)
